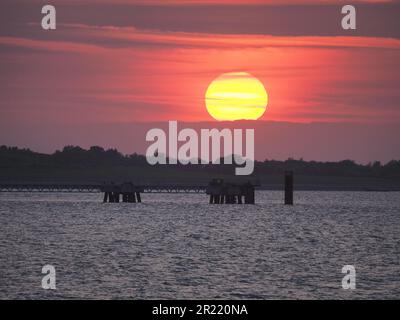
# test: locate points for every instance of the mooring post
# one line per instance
(289, 187)
(252, 196)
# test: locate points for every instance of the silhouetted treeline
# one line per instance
(76, 157)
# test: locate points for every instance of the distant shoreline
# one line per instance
(74, 165)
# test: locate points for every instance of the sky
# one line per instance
(112, 69)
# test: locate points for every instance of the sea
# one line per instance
(178, 246)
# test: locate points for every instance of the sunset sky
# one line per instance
(114, 67)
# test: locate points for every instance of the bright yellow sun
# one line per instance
(236, 96)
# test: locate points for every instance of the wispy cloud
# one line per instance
(85, 38)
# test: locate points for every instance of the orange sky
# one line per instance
(119, 63)
(157, 75)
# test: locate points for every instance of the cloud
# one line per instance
(85, 38)
(60, 46)
(279, 18)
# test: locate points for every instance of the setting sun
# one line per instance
(236, 96)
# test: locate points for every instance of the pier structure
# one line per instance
(130, 192)
(96, 188)
(221, 192)
(288, 187)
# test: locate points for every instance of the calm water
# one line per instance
(179, 246)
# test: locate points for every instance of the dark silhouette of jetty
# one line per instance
(230, 193)
(220, 192)
(129, 191)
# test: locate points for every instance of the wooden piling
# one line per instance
(126, 192)
(252, 196)
(230, 193)
(289, 188)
